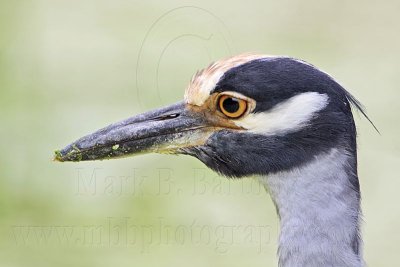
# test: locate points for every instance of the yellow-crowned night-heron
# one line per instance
(278, 118)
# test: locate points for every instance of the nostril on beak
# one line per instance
(167, 117)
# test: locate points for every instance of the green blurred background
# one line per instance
(70, 67)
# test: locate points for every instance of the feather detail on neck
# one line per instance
(319, 210)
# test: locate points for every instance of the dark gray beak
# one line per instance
(165, 130)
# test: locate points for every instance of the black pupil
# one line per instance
(231, 105)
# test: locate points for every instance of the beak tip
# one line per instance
(58, 156)
(67, 155)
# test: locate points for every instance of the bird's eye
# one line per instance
(232, 107)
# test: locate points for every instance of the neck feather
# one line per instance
(319, 208)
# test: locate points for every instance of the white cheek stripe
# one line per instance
(288, 116)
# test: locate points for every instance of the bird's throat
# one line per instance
(319, 208)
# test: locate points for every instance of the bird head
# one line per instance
(246, 115)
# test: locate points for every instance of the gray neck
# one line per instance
(319, 209)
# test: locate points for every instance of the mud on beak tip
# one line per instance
(68, 154)
(57, 156)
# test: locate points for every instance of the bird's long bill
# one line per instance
(164, 130)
